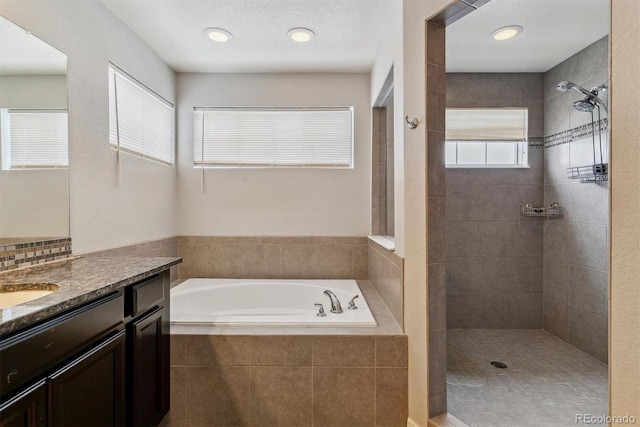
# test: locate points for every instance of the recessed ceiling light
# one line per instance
(301, 35)
(506, 33)
(218, 34)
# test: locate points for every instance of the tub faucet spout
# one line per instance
(335, 303)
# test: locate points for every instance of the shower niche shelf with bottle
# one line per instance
(552, 211)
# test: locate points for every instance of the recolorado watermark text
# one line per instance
(605, 419)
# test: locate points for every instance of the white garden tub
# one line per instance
(266, 302)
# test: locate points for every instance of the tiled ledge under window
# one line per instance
(385, 241)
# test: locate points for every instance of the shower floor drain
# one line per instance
(498, 365)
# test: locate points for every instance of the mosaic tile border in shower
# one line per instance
(575, 134)
(16, 255)
(536, 142)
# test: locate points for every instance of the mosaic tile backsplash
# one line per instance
(16, 255)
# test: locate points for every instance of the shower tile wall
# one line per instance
(494, 255)
(436, 216)
(575, 246)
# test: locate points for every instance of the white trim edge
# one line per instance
(385, 241)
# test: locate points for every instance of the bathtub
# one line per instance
(266, 302)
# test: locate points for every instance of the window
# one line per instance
(34, 139)
(273, 137)
(140, 121)
(486, 137)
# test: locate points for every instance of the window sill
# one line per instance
(487, 166)
(386, 242)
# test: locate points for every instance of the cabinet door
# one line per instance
(90, 391)
(28, 409)
(150, 372)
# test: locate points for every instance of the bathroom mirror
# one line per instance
(34, 183)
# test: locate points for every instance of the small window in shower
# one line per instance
(486, 138)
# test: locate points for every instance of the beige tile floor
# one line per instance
(547, 382)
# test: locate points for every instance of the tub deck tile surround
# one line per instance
(288, 381)
(273, 257)
(290, 376)
(386, 273)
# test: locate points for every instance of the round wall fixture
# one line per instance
(218, 35)
(506, 33)
(301, 34)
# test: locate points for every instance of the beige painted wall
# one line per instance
(625, 210)
(103, 214)
(33, 91)
(276, 201)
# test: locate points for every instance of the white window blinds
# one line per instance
(273, 137)
(486, 124)
(34, 139)
(140, 121)
(486, 137)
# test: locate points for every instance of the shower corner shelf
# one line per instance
(598, 172)
(554, 210)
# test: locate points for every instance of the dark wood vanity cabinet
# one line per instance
(149, 353)
(90, 390)
(148, 405)
(27, 409)
(104, 364)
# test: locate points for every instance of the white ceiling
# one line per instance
(553, 31)
(348, 33)
(23, 53)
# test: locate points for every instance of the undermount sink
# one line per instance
(11, 295)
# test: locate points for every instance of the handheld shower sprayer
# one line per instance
(589, 103)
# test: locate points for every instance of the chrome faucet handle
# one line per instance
(321, 312)
(352, 305)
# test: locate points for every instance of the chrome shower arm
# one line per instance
(565, 86)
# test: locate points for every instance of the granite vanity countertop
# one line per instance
(79, 280)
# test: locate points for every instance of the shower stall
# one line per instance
(526, 279)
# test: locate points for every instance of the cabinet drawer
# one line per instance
(30, 354)
(146, 295)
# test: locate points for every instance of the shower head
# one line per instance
(584, 105)
(592, 97)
